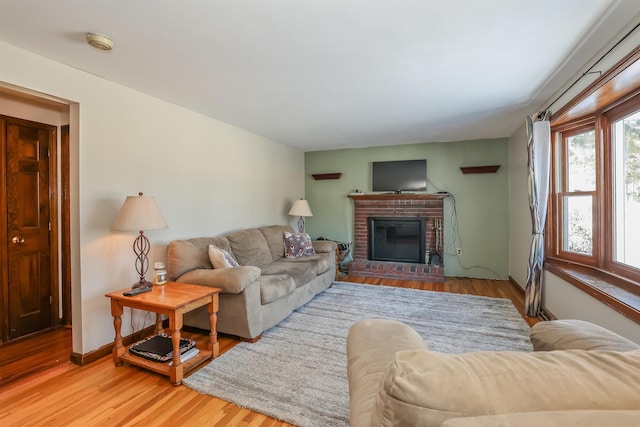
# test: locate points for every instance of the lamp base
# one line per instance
(142, 284)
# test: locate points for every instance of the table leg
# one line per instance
(159, 329)
(214, 345)
(176, 371)
(118, 348)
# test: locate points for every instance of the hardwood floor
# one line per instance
(34, 355)
(38, 388)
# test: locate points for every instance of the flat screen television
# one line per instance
(400, 175)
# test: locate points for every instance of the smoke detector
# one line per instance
(100, 41)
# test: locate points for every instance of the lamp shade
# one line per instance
(139, 213)
(300, 208)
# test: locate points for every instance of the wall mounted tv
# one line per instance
(399, 175)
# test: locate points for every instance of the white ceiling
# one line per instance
(325, 74)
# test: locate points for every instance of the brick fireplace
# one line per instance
(428, 206)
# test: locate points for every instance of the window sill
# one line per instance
(620, 294)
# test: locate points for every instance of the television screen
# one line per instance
(400, 175)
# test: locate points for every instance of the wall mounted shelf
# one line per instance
(321, 176)
(479, 169)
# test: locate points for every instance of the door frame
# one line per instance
(65, 222)
(4, 237)
(53, 219)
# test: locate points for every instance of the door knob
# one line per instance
(17, 239)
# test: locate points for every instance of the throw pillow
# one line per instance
(297, 245)
(220, 258)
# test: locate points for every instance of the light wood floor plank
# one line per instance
(100, 394)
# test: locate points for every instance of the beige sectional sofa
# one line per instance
(579, 375)
(264, 289)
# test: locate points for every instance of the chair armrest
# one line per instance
(232, 280)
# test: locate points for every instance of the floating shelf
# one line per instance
(479, 169)
(321, 176)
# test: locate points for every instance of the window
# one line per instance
(593, 217)
(578, 192)
(626, 189)
(595, 198)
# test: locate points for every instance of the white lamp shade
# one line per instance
(139, 213)
(300, 208)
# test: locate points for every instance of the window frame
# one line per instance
(603, 196)
(608, 119)
(559, 182)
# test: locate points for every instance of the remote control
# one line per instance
(136, 291)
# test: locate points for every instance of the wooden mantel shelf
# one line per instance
(479, 169)
(322, 176)
(401, 196)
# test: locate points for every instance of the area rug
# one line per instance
(297, 372)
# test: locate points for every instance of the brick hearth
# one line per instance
(428, 206)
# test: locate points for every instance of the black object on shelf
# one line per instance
(160, 347)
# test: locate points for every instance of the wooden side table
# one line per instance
(173, 300)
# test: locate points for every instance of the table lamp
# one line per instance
(300, 208)
(139, 213)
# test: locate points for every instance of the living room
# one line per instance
(210, 177)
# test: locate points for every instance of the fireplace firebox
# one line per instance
(399, 239)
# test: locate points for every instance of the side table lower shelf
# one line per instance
(165, 368)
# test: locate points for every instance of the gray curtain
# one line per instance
(539, 160)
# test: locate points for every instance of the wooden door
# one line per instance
(29, 284)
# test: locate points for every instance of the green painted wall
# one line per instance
(481, 200)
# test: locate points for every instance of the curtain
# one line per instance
(538, 162)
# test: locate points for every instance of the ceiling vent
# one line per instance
(100, 41)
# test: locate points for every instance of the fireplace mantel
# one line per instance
(401, 196)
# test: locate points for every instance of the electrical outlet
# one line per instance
(459, 251)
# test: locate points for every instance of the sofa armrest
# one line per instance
(324, 245)
(231, 280)
(571, 334)
(371, 346)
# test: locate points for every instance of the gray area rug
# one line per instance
(297, 372)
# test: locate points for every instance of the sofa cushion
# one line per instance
(426, 388)
(585, 418)
(220, 258)
(273, 235)
(250, 247)
(275, 286)
(297, 245)
(301, 273)
(571, 334)
(187, 255)
(319, 263)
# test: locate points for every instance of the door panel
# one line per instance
(28, 245)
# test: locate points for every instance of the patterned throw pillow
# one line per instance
(296, 245)
(220, 258)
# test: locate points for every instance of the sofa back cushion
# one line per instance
(426, 388)
(250, 247)
(274, 235)
(186, 255)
